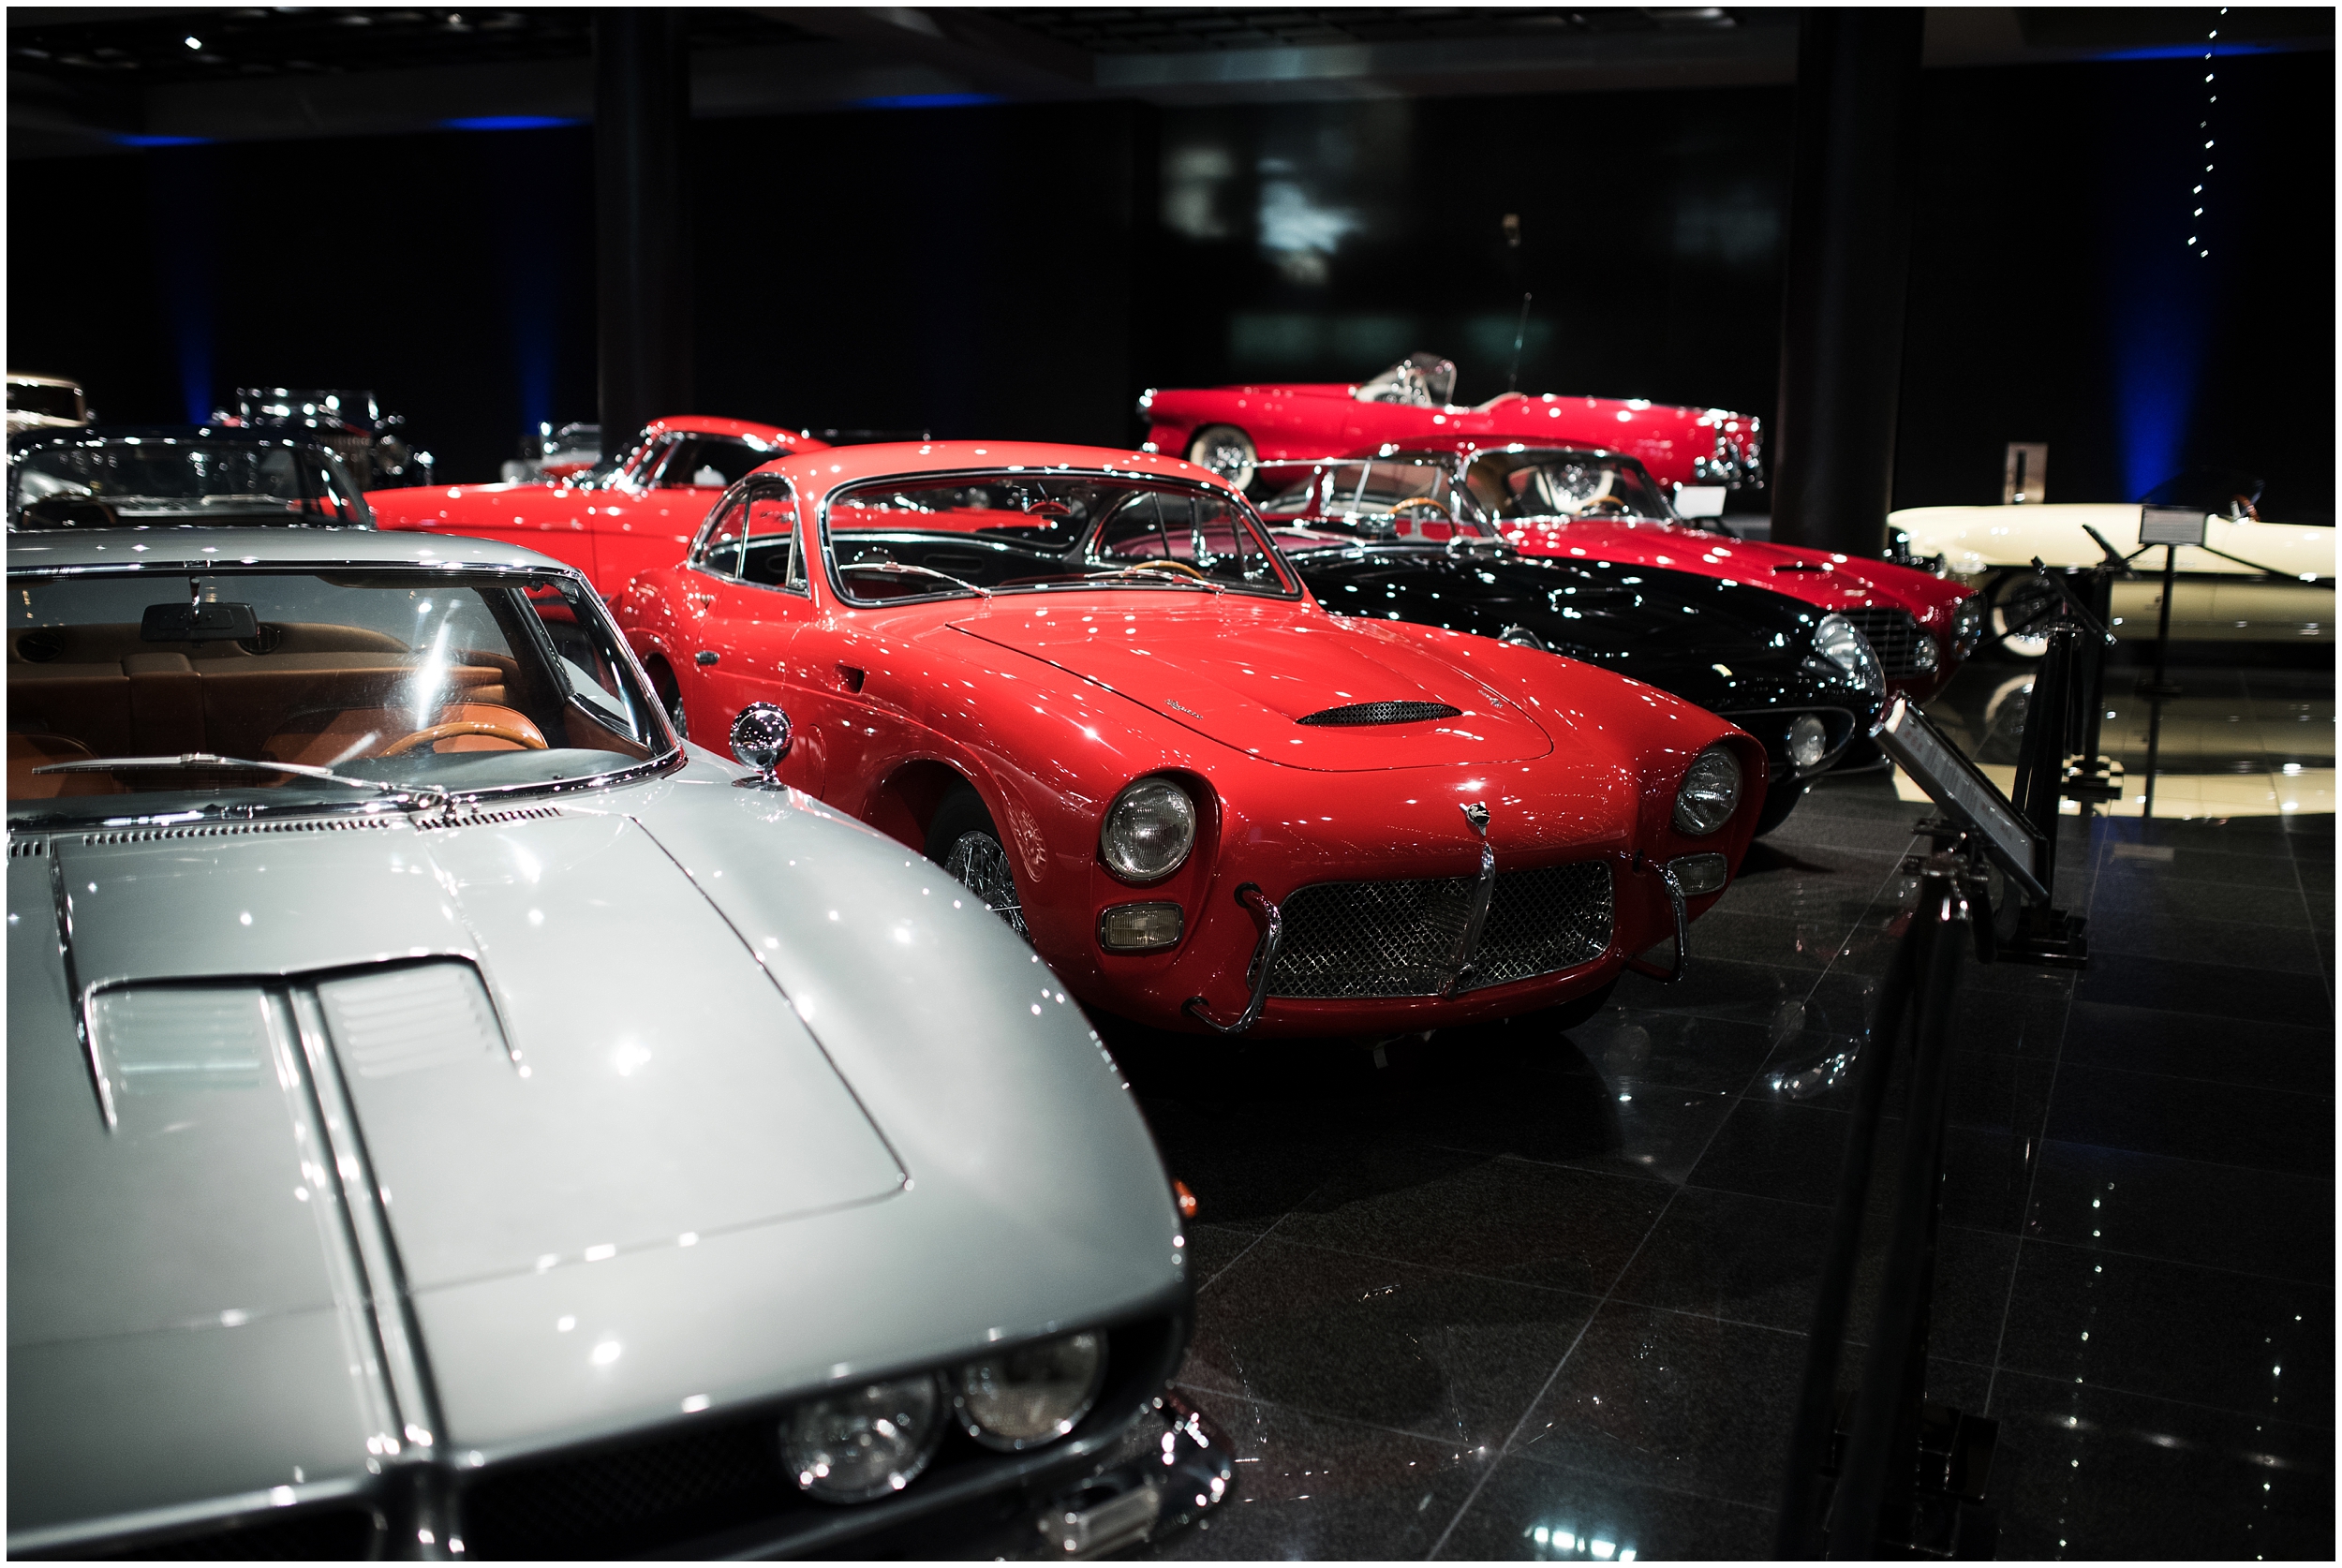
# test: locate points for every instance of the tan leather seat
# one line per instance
(322, 739)
(28, 751)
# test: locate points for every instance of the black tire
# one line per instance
(2009, 600)
(1226, 451)
(963, 840)
(1577, 1012)
(1781, 799)
(663, 683)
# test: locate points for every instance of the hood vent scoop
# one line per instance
(19, 849)
(474, 818)
(233, 830)
(1382, 712)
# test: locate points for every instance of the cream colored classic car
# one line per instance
(2250, 581)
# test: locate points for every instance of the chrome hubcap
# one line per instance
(980, 866)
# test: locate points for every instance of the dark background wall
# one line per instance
(1026, 270)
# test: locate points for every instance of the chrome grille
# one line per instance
(1894, 637)
(1542, 921)
(1399, 939)
(1382, 713)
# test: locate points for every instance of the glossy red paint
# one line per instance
(641, 514)
(1678, 445)
(1021, 696)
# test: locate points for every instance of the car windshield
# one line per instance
(1327, 505)
(897, 539)
(125, 481)
(1563, 484)
(186, 688)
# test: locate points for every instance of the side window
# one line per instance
(718, 547)
(1137, 532)
(712, 462)
(775, 556)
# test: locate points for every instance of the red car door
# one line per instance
(746, 606)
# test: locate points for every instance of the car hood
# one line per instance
(1816, 576)
(740, 1103)
(1248, 674)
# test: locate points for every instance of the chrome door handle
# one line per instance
(705, 657)
(699, 599)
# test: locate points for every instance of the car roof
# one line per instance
(27, 378)
(174, 549)
(710, 424)
(820, 472)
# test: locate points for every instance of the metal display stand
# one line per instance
(1880, 1471)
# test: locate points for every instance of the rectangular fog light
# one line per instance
(1143, 928)
(1700, 874)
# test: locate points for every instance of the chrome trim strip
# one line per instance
(417, 1408)
(62, 903)
(1682, 932)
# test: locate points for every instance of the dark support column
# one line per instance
(642, 240)
(1833, 434)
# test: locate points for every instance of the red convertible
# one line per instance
(1231, 429)
(1084, 684)
(637, 509)
(1603, 506)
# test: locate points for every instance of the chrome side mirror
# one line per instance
(759, 738)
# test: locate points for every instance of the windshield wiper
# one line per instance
(903, 567)
(205, 761)
(1157, 578)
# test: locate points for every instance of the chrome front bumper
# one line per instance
(1169, 1471)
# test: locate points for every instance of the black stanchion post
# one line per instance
(2158, 690)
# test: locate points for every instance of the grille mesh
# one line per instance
(1382, 712)
(1542, 921)
(1397, 938)
(1894, 637)
(632, 1499)
(326, 1535)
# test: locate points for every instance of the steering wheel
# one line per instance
(1423, 503)
(525, 739)
(1164, 563)
(1608, 502)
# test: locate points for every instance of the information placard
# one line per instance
(2171, 525)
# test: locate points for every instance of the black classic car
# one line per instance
(165, 476)
(373, 444)
(1398, 540)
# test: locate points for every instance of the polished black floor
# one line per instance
(1509, 1293)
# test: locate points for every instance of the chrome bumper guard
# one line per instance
(1173, 1468)
(1272, 936)
(1682, 932)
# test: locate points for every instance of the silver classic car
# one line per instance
(448, 1117)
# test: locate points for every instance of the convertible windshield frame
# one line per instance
(1078, 556)
(668, 756)
(338, 490)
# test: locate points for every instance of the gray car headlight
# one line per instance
(865, 1442)
(1034, 1394)
(1809, 743)
(1148, 831)
(1841, 642)
(1711, 789)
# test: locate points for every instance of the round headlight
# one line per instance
(1034, 1394)
(1148, 830)
(1711, 788)
(1839, 641)
(874, 1440)
(1809, 743)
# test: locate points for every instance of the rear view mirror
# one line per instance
(217, 622)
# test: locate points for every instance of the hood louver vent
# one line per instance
(1382, 712)
(474, 818)
(21, 847)
(233, 830)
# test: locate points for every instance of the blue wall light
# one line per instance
(509, 122)
(929, 100)
(162, 141)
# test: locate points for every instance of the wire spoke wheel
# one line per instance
(2021, 613)
(980, 865)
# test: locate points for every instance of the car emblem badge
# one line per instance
(1175, 702)
(1477, 813)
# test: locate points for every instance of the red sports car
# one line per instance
(1084, 683)
(1231, 429)
(637, 508)
(1604, 506)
